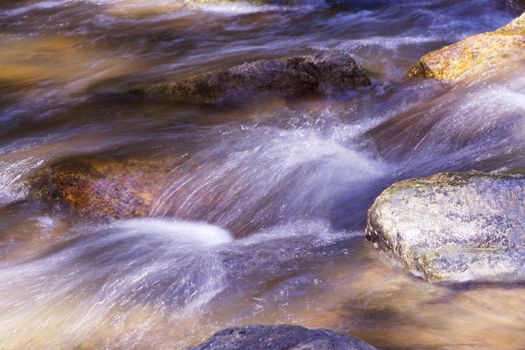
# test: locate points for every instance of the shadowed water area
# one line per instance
(260, 218)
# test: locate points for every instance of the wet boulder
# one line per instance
(474, 55)
(329, 72)
(454, 227)
(281, 337)
(102, 187)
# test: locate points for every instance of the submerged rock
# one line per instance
(454, 226)
(102, 187)
(473, 55)
(329, 72)
(281, 337)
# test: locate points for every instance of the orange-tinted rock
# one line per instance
(101, 186)
(474, 55)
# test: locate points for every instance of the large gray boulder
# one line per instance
(281, 337)
(454, 227)
(329, 72)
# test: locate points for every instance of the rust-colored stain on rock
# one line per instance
(102, 187)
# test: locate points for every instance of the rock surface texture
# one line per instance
(454, 227)
(282, 337)
(474, 55)
(329, 72)
(100, 186)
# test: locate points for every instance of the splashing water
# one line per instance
(154, 268)
(300, 173)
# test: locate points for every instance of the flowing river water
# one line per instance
(293, 176)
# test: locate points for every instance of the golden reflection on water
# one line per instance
(363, 294)
(137, 9)
(66, 60)
(394, 310)
(141, 9)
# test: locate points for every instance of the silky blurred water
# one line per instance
(261, 220)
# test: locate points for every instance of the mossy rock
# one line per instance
(474, 55)
(454, 227)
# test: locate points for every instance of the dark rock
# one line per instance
(281, 337)
(518, 5)
(330, 72)
(454, 227)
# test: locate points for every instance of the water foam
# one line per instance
(199, 233)
(12, 175)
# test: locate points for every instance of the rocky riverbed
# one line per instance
(262, 174)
